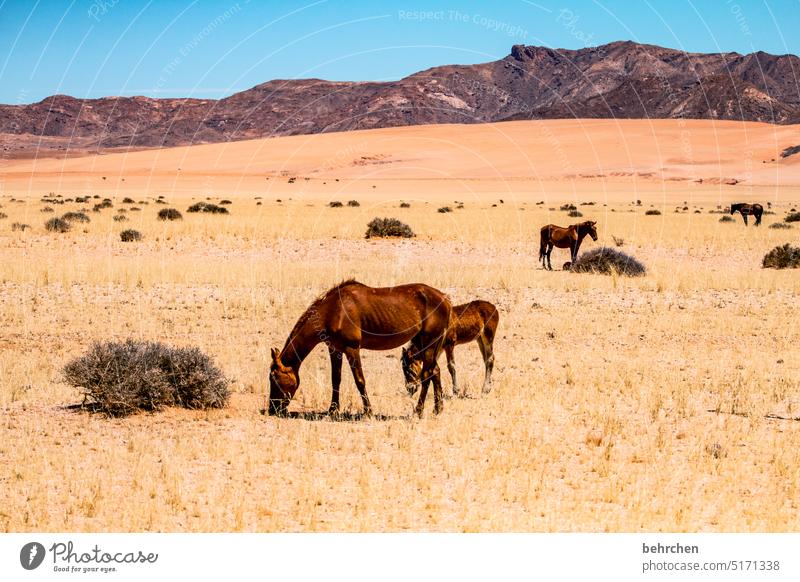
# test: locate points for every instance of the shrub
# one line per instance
(445, 209)
(575, 213)
(47, 209)
(652, 212)
(353, 203)
(127, 200)
(388, 227)
(120, 218)
(169, 214)
(20, 226)
(780, 225)
(607, 261)
(792, 217)
(727, 218)
(76, 217)
(120, 378)
(567, 207)
(785, 257)
(405, 205)
(619, 241)
(335, 204)
(225, 202)
(130, 235)
(3, 215)
(104, 204)
(207, 207)
(57, 225)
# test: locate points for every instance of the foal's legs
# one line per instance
(336, 378)
(487, 351)
(354, 359)
(430, 373)
(451, 366)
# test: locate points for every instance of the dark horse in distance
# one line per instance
(563, 238)
(474, 321)
(351, 317)
(747, 209)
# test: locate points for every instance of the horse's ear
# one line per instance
(593, 222)
(276, 355)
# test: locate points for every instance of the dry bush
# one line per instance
(727, 218)
(782, 257)
(169, 214)
(619, 241)
(335, 204)
(388, 227)
(127, 200)
(445, 209)
(353, 203)
(608, 261)
(20, 226)
(780, 225)
(120, 378)
(120, 218)
(225, 202)
(575, 214)
(652, 212)
(207, 207)
(47, 209)
(792, 217)
(57, 225)
(130, 235)
(76, 217)
(405, 205)
(567, 207)
(3, 215)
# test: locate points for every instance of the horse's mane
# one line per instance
(316, 303)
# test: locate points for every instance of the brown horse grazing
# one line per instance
(746, 209)
(351, 317)
(473, 321)
(570, 237)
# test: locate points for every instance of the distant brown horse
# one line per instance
(351, 317)
(564, 238)
(746, 209)
(473, 321)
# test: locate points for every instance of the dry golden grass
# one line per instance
(665, 403)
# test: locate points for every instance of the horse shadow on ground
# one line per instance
(340, 416)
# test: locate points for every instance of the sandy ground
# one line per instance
(664, 403)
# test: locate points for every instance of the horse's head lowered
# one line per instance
(589, 227)
(412, 371)
(283, 383)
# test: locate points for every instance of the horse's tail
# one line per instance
(544, 235)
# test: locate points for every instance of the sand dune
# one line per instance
(528, 157)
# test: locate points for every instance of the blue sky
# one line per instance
(210, 49)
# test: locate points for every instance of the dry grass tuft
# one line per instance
(57, 225)
(388, 227)
(608, 261)
(169, 214)
(782, 257)
(120, 378)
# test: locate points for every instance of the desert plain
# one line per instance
(669, 402)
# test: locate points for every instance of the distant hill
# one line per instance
(617, 80)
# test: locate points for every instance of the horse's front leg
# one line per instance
(549, 264)
(336, 378)
(354, 359)
(744, 216)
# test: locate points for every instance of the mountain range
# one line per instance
(617, 80)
